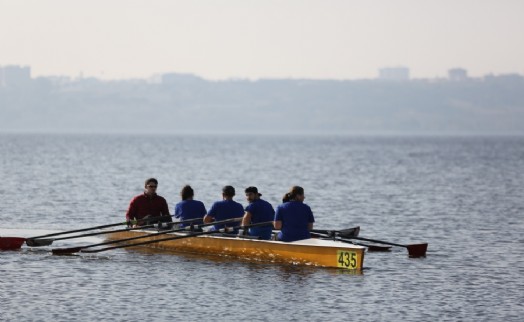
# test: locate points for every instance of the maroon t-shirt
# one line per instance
(143, 205)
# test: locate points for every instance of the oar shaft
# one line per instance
(156, 234)
(153, 241)
(171, 238)
(78, 230)
(134, 238)
(378, 241)
(93, 228)
(103, 232)
(126, 229)
(260, 224)
(344, 240)
(414, 250)
(77, 249)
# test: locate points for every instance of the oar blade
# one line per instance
(66, 251)
(417, 250)
(11, 243)
(31, 242)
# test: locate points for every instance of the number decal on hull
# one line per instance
(346, 259)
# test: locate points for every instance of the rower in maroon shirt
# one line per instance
(148, 204)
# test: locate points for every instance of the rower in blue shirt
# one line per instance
(258, 211)
(189, 208)
(225, 209)
(294, 218)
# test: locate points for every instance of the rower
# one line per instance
(189, 208)
(148, 204)
(257, 211)
(293, 217)
(224, 209)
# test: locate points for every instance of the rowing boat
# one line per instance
(313, 251)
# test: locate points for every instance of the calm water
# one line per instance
(462, 195)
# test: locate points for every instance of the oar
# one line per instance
(371, 248)
(47, 242)
(62, 251)
(223, 230)
(414, 250)
(92, 228)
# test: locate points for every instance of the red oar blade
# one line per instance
(11, 243)
(417, 250)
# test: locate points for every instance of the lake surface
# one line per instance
(462, 195)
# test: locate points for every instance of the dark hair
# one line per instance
(293, 193)
(228, 191)
(187, 192)
(253, 190)
(148, 181)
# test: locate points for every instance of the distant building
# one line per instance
(457, 74)
(178, 78)
(15, 76)
(394, 73)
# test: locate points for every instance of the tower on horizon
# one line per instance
(14, 75)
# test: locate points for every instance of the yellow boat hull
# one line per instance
(317, 252)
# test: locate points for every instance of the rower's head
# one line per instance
(296, 193)
(150, 186)
(187, 193)
(228, 192)
(252, 194)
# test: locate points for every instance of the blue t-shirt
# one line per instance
(261, 211)
(295, 217)
(189, 209)
(226, 209)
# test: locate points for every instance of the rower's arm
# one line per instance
(208, 219)
(246, 220)
(310, 226)
(277, 224)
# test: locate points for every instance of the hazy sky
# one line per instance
(218, 39)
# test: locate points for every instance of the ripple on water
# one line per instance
(462, 195)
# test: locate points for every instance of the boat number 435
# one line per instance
(346, 259)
